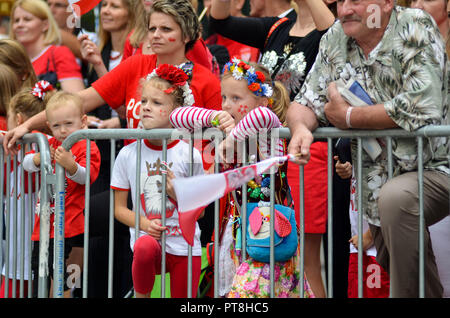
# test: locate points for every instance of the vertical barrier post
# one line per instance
(189, 267)
(217, 269)
(14, 229)
(330, 217)
(111, 225)
(272, 223)
(8, 223)
(421, 219)
(138, 191)
(163, 221)
(302, 230)
(58, 274)
(22, 226)
(86, 218)
(360, 221)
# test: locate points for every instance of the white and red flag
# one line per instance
(195, 193)
(80, 7)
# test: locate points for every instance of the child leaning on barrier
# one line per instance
(375, 279)
(23, 105)
(251, 104)
(65, 115)
(163, 90)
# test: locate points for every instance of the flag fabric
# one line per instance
(80, 7)
(195, 193)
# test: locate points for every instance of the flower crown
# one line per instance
(255, 79)
(178, 77)
(40, 88)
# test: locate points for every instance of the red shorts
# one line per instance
(375, 278)
(315, 181)
(147, 264)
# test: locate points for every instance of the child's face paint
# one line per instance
(237, 99)
(243, 110)
(156, 107)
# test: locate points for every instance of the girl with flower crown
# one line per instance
(162, 91)
(288, 49)
(251, 104)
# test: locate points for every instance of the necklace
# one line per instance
(114, 55)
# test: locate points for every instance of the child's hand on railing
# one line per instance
(367, 240)
(222, 120)
(66, 160)
(343, 170)
(169, 187)
(154, 228)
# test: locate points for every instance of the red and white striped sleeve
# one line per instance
(190, 117)
(257, 121)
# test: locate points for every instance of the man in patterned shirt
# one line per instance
(398, 57)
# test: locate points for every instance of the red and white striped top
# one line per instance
(258, 121)
(191, 117)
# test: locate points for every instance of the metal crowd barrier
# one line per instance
(215, 135)
(18, 223)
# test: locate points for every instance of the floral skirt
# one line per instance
(252, 280)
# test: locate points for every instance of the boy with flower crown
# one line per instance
(162, 91)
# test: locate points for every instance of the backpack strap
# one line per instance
(273, 28)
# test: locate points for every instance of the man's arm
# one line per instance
(301, 121)
(339, 113)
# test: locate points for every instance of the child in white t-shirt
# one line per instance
(162, 91)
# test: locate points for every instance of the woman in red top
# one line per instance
(137, 41)
(32, 24)
(173, 30)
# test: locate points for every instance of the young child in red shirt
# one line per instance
(65, 115)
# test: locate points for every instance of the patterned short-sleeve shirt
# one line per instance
(406, 72)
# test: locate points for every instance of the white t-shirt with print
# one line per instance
(152, 167)
(354, 215)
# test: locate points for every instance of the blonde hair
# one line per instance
(280, 96)
(105, 36)
(27, 104)
(162, 84)
(13, 55)
(141, 25)
(61, 99)
(185, 16)
(9, 85)
(41, 10)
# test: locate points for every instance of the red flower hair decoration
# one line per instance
(40, 88)
(177, 77)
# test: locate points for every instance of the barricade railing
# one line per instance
(165, 134)
(17, 219)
